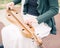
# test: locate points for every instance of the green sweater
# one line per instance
(47, 10)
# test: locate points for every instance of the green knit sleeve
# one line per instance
(53, 10)
(16, 1)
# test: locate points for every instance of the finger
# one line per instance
(10, 5)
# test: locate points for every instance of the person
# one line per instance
(43, 10)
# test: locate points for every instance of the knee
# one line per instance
(11, 32)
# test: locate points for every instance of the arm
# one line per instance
(16, 1)
(53, 10)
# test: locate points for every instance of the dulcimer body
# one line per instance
(27, 30)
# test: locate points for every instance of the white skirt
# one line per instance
(12, 37)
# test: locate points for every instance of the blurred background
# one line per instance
(3, 3)
(52, 41)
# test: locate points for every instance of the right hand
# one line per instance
(10, 5)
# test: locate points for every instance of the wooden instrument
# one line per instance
(27, 30)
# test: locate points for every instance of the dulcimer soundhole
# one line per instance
(16, 12)
(9, 15)
(23, 29)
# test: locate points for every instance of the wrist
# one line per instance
(13, 3)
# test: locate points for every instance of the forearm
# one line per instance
(53, 10)
(47, 15)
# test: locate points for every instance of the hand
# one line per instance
(29, 19)
(10, 5)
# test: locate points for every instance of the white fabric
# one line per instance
(12, 37)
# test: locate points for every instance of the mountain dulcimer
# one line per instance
(27, 30)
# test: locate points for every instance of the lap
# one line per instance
(11, 35)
